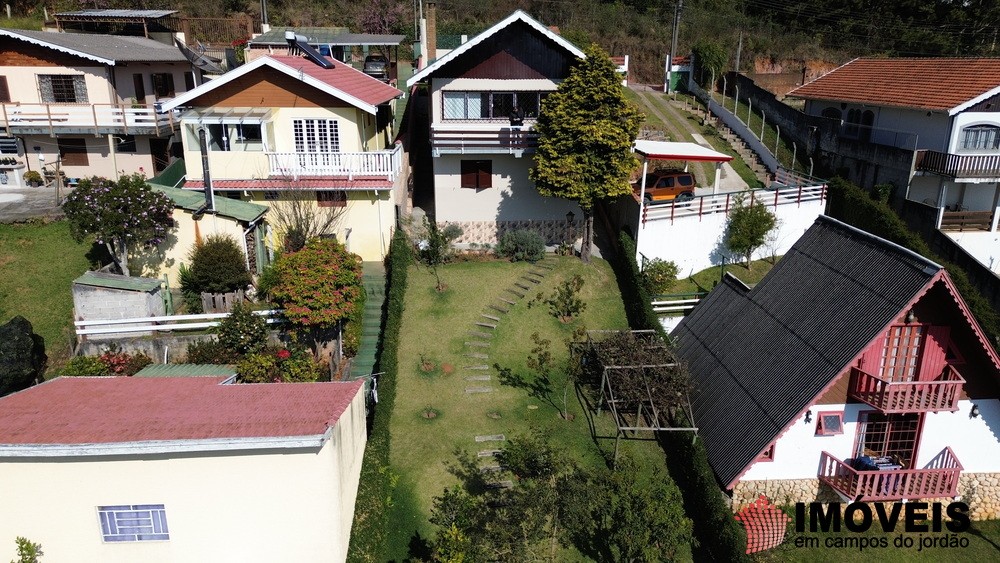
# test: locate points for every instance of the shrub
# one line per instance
(659, 276)
(355, 326)
(521, 244)
(242, 331)
(266, 280)
(85, 366)
(22, 355)
(293, 364)
(565, 302)
(318, 286)
(123, 363)
(210, 352)
(218, 265)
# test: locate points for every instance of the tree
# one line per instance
(123, 215)
(22, 355)
(218, 265)
(586, 131)
(747, 227)
(27, 551)
(318, 286)
(298, 218)
(710, 58)
(435, 246)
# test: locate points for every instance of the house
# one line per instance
(243, 221)
(480, 159)
(87, 101)
(853, 370)
(930, 125)
(336, 42)
(182, 468)
(284, 131)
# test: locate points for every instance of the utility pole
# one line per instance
(673, 46)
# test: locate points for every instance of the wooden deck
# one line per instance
(939, 479)
(908, 396)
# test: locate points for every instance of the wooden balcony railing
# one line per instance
(959, 166)
(349, 164)
(939, 479)
(942, 394)
(471, 138)
(966, 220)
(98, 118)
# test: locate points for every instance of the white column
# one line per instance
(642, 204)
(718, 178)
(942, 197)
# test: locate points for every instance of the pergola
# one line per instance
(672, 150)
(117, 17)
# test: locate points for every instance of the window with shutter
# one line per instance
(477, 174)
(62, 88)
(140, 88)
(73, 152)
(331, 199)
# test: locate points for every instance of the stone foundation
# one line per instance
(554, 231)
(981, 491)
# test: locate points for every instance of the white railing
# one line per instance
(674, 306)
(722, 203)
(93, 116)
(375, 163)
(168, 323)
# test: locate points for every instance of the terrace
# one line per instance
(98, 119)
(941, 394)
(938, 479)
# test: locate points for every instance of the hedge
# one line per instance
(371, 511)
(718, 535)
(852, 205)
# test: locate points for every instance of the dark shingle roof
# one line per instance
(757, 357)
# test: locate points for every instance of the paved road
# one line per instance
(21, 204)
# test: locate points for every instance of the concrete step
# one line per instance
(490, 317)
(477, 390)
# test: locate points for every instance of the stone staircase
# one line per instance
(374, 283)
(746, 153)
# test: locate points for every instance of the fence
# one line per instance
(169, 323)
(722, 203)
(677, 303)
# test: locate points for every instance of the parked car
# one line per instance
(668, 185)
(377, 66)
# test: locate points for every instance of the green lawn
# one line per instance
(38, 263)
(435, 328)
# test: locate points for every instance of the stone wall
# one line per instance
(554, 231)
(981, 491)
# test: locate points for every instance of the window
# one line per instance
(951, 356)
(316, 135)
(831, 113)
(62, 88)
(767, 455)
(888, 435)
(477, 174)
(73, 152)
(8, 145)
(140, 88)
(901, 355)
(125, 143)
(163, 84)
(829, 423)
(490, 105)
(188, 81)
(271, 195)
(133, 522)
(218, 137)
(851, 126)
(981, 137)
(4, 90)
(332, 199)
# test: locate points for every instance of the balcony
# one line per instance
(959, 167)
(966, 220)
(326, 164)
(94, 119)
(939, 479)
(941, 394)
(476, 138)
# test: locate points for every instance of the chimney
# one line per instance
(209, 193)
(432, 31)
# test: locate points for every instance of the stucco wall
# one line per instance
(22, 81)
(176, 248)
(237, 507)
(102, 160)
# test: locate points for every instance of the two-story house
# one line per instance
(484, 98)
(853, 370)
(285, 131)
(85, 102)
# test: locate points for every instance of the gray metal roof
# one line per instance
(118, 281)
(326, 36)
(758, 357)
(116, 14)
(186, 370)
(106, 49)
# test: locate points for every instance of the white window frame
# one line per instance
(980, 137)
(127, 523)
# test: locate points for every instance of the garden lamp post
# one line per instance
(570, 216)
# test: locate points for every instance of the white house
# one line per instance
(162, 469)
(853, 370)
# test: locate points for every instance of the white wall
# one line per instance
(896, 126)
(983, 246)
(975, 441)
(695, 243)
(513, 196)
(966, 119)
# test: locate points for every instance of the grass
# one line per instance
(984, 545)
(706, 279)
(784, 146)
(436, 326)
(38, 263)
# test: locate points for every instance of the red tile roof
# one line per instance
(922, 83)
(345, 78)
(303, 183)
(105, 410)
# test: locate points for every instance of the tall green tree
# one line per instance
(747, 227)
(586, 131)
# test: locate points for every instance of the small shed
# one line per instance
(105, 296)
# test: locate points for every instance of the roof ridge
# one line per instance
(880, 241)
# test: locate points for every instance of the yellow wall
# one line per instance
(292, 505)
(172, 252)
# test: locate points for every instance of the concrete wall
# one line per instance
(125, 84)
(101, 303)
(288, 505)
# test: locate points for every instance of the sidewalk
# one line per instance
(21, 204)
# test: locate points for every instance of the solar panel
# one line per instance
(299, 42)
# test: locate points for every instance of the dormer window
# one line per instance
(981, 138)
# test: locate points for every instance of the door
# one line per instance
(160, 150)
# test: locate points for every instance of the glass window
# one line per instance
(502, 104)
(490, 105)
(163, 84)
(454, 105)
(62, 88)
(981, 137)
(133, 522)
(830, 423)
(125, 143)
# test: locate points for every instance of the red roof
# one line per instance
(303, 183)
(104, 410)
(922, 83)
(345, 78)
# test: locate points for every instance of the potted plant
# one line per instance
(33, 178)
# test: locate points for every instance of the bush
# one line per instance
(565, 302)
(123, 363)
(210, 352)
(277, 366)
(266, 280)
(22, 355)
(521, 244)
(84, 366)
(320, 285)
(355, 326)
(659, 276)
(218, 265)
(242, 331)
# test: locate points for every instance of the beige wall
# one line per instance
(291, 505)
(174, 251)
(22, 82)
(125, 84)
(102, 160)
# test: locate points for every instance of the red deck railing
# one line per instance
(939, 479)
(941, 394)
(959, 166)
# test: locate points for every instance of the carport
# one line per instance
(686, 152)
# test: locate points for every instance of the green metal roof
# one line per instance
(117, 281)
(313, 34)
(192, 200)
(186, 370)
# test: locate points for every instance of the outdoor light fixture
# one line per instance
(570, 216)
(910, 316)
(974, 413)
(809, 416)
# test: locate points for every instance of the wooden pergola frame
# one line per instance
(646, 417)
